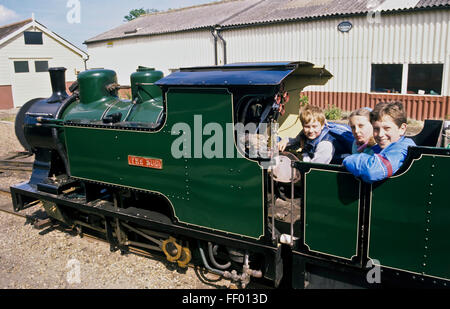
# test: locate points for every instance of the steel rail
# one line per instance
(16, 165)
(8, 208)
(5, 191)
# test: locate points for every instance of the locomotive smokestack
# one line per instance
(58, 80)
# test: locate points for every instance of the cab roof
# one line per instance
(242, 74)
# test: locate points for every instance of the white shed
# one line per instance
(27, 50)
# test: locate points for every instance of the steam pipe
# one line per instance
(213, 260)
(205, 262)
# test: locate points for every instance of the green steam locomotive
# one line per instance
(168, 170)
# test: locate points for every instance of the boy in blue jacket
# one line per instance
(389, 127)
(318, 143)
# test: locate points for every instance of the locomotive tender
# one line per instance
(138, 172)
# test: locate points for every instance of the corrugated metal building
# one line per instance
(377, 50)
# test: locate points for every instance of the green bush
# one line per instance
(304, 100)
(333, 113)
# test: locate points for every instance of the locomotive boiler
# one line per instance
(168, 170)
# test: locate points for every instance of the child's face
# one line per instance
(362, 129)
(386, 132)
(313, 129)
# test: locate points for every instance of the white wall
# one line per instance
(162, 52)
(58, 55)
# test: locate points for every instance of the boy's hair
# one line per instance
(311, 113)
(365, 112)
(393, 109)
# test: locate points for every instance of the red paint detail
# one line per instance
(145, 162)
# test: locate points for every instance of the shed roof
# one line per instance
(190, 18)
(230, 13)
(290, 10)
(11, 28)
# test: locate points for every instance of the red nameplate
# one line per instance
(145, 162)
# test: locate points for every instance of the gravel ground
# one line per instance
(31, 259)
(8, 141)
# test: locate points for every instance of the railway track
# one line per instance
(8, 207)
(16, 161)
(11, 165)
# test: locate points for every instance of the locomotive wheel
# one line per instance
(19, 124)
(185, 258)
(171, 249)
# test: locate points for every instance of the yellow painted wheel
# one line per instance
(185, 258)
(171, 249)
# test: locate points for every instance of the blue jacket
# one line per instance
(331, 132)
(381, 165)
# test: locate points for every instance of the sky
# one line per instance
(79, 20)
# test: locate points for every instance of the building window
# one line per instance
(387, 78)
(41, 66)
(425, 78)
(21, 67)
(33, 38)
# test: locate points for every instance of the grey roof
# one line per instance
(286, 10)
(231, 13)
(197, 17)
(11, 28)
(431, 3)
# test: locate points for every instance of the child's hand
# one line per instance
(283, 143)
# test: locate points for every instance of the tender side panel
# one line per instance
(409, 219)
(331, 209)
(437, 262)
(221, 193)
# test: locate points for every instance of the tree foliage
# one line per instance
(138, 12)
